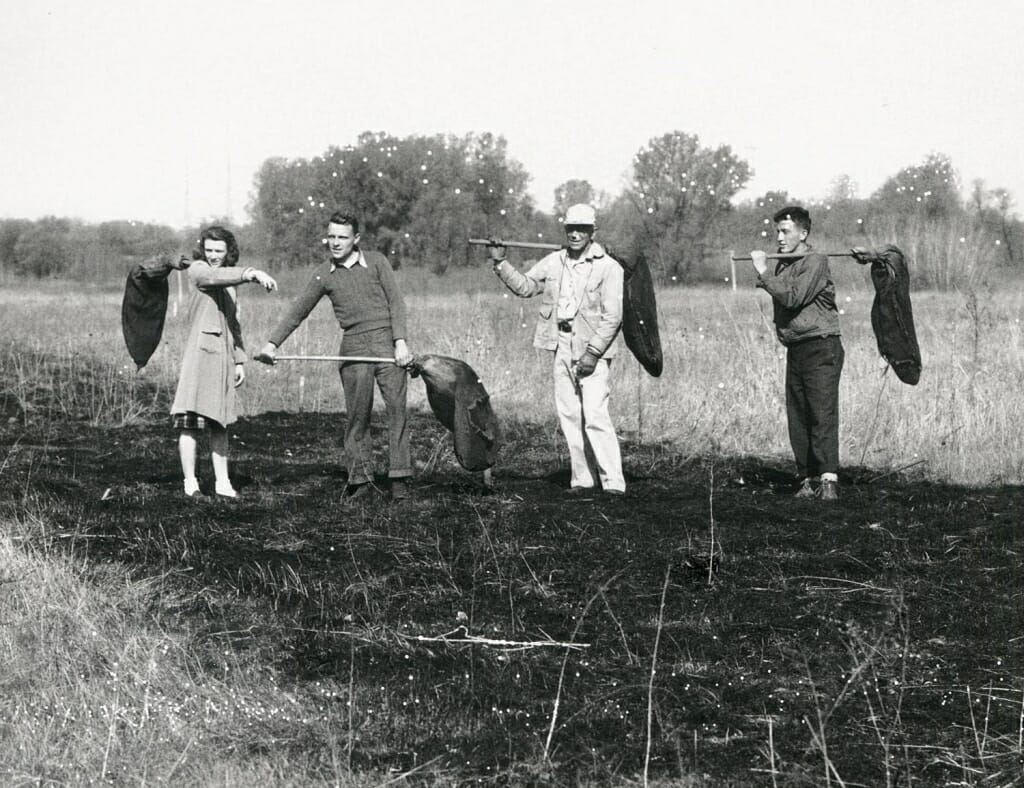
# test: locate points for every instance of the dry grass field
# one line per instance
(705, 630)
(721, 390)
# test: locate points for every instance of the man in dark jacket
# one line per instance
(807, 324)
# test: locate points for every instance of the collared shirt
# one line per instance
(595, 306)
(573, 283)
(356, 257)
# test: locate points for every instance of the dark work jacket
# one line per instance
(803, 297)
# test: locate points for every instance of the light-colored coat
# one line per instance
(598, 315)
(206, 384)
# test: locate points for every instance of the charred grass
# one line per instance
(508, 636)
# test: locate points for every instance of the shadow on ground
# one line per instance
(455, 620)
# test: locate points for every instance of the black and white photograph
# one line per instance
(518, 394)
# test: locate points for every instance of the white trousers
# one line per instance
(583, 414)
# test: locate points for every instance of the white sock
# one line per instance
(829, 477)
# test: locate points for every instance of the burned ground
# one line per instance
(877, 640)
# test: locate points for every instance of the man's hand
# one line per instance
(760, 261)
(402, 355)
(267, 354)
(239, 375)
(495, 251)
(862, 255)
(586, 365)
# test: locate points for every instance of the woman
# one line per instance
(212, 366)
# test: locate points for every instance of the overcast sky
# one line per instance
(117, 109)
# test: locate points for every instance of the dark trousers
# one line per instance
(813, 368)
(357, 380)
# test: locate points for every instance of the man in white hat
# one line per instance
(580, 316)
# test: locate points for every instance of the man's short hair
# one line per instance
(795, 213)
(340, 217)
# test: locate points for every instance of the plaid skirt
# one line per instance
(190, 420)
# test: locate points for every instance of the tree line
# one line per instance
(420, 197)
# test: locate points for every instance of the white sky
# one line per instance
(164, 111)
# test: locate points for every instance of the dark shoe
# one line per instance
(829, 490)
(357, 492)
(806, 490)
(575, 491)
(399, 490)
(614, 493)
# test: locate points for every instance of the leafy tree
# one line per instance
(45, 248)
(843, 189)
(417, 198)
(930, 190)
(572, 192)
(10, 231)
(680, 191)
(283, 229)
(994, 210)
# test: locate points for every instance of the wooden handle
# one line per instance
(778, 256)
(375, 359)
(514, 244)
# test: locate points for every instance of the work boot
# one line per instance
(829, 490)
(357, 492)
(806, 490)
(399, 490)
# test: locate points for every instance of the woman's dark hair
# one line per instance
(217, 233)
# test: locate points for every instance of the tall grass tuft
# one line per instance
(948, 255)
(96, 689)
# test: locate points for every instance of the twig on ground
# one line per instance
(490, 544)
(622, 632)
(650, 682)
(565, 660)
(858, 585)
(412, 771)
(481, 641)
(711, 517)
(909, 465)
(350, 744)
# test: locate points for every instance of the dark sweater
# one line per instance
(364, 299)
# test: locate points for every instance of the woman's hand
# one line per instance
(265, 280)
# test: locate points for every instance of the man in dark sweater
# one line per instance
(807, 324)
(371, 312)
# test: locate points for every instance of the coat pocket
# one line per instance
(210, 341)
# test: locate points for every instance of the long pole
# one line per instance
(371, 359)
(787, 256)
(514, 244)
